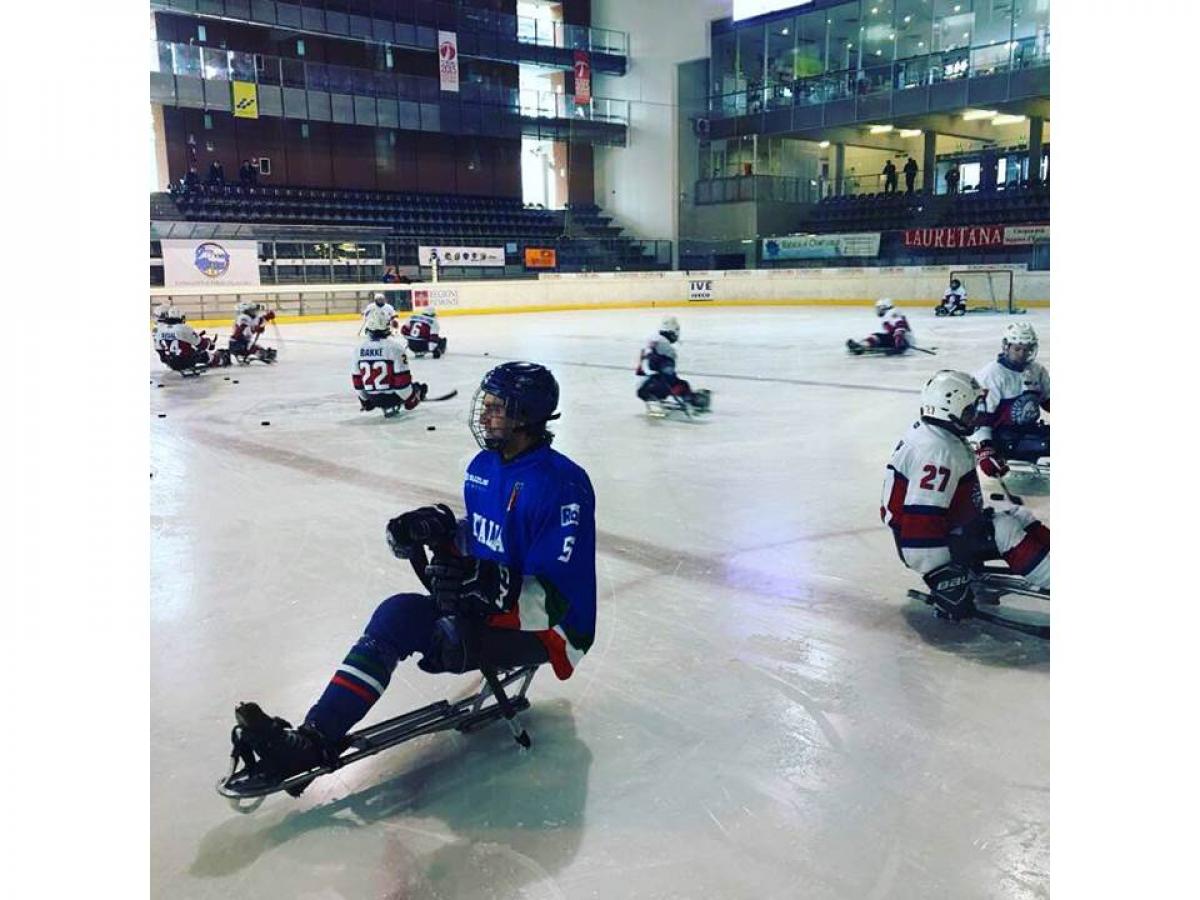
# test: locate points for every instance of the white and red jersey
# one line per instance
(894, 323)
(380, 367)
(657, 356)
(386, 307)
(954, 296)
(420, 327)
(179, 340)
(930, 488)
(247, 327)
(1013, 398)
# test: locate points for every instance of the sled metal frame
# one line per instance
(464, 715)
(989, 587)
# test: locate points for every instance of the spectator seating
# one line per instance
(583, 237)
(1018, 204)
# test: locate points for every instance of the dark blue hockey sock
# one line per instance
(401, 625)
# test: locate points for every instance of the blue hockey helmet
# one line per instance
(530, 396)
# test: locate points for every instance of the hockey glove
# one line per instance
(950, 586)
(989, 463)
(269, 315)
(471, 586)
(422, 527)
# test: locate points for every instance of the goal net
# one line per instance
(988, 290)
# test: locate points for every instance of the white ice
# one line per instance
(763, 713)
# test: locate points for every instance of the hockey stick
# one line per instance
(1008, 495)
(453, 393)
(923, 350)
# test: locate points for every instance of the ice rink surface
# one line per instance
(763, 714)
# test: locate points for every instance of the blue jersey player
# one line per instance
(511, 584)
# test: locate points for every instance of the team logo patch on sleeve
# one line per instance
(570, 514)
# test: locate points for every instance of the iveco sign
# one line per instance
(748, 9)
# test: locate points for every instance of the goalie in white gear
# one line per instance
(657, 364)
(380, 374)
(933, 504)
(1018, 389)
(954, 301)
(379, 301)
(248, 327)
(894, 337)
(179, 346)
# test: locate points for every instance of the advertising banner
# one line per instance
(208, 263)
(245, 100)
(1015, 235)
(700, 289)
(461, 256)
(583, 77)
(968, 236)
(436, 297)
(821, 246)
(448, 60)
(540, 258)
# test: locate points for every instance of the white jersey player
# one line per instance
(247, 329)
(1018, 389)
(932, 501)
(180, 347)
(954, 301)
(380, 374)
(657, 364)
(421, 332)
(379, 301)
(894, 336)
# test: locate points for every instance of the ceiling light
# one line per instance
(910, 132)
(957, 8)
(973, 114)
(966, 34)
(907, 19)
(823, 144)
(881, 129)
(879, 53)
(1007, 119)
(920, 43)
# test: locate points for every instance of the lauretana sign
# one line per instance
(975, 236)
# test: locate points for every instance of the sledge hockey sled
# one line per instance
(673, 405)
(989, 587)
(246, 792)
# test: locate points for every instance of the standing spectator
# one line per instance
(952, 177)
(216, 173)
(247, 174)
(889, 177)
(910, 175)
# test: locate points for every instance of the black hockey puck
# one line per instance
(235, 381)
(162, 415)
(265, 422)
(158, 385)
(226, 377)
(431, 428)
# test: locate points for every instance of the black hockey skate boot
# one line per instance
(700, 401)
(281, 751)
(855, 347)
(269, 354)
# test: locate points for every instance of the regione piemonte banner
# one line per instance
(448, 60)
(210, 263)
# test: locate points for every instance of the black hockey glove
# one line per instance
(418, 528)
(470, 586)
(975, 542)
(950, 586)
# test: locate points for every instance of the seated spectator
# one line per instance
(191, 179)
(248, 174)
(216, 173)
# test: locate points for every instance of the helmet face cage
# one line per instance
(485, 440)
(939, 408)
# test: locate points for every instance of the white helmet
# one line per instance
(378, 320)
(431, 312)
(379, 298)
(1020, 333)
(248, 308)
(882, 305)
(170, 315)
(953, 399)
(670, 326)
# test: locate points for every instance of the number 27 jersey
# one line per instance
(930, 488)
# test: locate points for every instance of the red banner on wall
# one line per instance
(975, 236)
(583, 77)
(960, 236)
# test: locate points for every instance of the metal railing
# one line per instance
(215, 64)
(416, 34)
(740, 188)
(902, 74)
